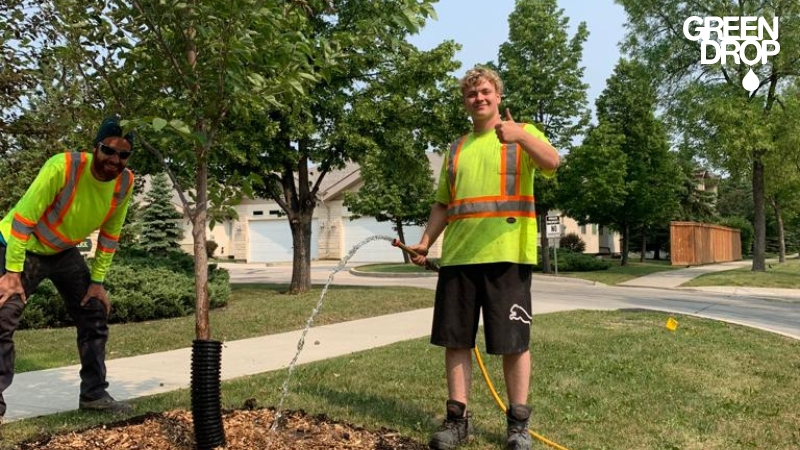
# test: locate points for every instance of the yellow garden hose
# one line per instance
(502, 406)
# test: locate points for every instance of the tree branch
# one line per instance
(184, 201)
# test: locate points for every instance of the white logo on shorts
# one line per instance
(519, 313)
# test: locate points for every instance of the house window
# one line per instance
(594, 228)
(583, 229)
(276, 212)
(258, 213)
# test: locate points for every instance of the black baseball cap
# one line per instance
(111, 128)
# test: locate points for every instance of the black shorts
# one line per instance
(501, 290)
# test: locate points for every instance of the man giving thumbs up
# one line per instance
(485, 201)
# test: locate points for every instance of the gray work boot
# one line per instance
(518, 437)
(455, 429)
(105, 404)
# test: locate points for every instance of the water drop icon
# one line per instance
(750, 81)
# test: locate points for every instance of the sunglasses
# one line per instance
(108, 151)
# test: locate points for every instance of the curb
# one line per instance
(560, 279)
(360, 273)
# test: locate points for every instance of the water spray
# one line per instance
(302, 341)
(430, 266)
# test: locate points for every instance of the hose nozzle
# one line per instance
(428, 264)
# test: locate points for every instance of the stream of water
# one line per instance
(310, 322)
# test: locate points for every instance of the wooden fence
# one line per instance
(693, 243)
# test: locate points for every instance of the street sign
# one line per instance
(553, 227)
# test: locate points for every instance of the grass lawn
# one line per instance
(615, 274)
(786, 275)
(253, 310)
(618, 274)
(601, 380)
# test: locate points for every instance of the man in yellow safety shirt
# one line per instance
(73, 195)
(485, 201)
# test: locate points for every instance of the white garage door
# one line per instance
(271, 241)
(357, 230)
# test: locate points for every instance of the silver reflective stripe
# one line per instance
(124, 185)
(512, 188)
(525, 208)
(47, 237)
(106, 243)
(21, 228)
(451, 165)
(64, 197)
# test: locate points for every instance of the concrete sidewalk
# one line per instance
(56, 390)
(671, 279)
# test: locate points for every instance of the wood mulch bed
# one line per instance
(244, 430)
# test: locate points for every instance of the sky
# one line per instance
(480, 26)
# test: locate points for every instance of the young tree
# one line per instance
(160, 221)
(179, 69)
(727, 124)
(540, 67)
(409, 108)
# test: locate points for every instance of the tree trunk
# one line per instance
(776, 207)
(644, 244)
(400, 235)
(759, 225)
(301, 266)
(626, 244)
(301, 201)
(541, 218)
(202, 327)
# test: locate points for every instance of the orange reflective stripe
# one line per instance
(452, 163)
(501, 206)
(24, 221)
(51, 237)
(75, 162)
(488, 214)
(503, 168)
(124, 183)
(510, 157)
(107, 243)
(76, 178)
(20, 236)
(493, 198)
(508, 202)
(21, 228)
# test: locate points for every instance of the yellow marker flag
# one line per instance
(672, 324)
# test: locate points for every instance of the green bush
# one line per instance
(574, 262)
(140, 288)
(45, 309)
(573, 243)
(211, 247)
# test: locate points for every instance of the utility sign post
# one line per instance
(553, 227)
(554, 234)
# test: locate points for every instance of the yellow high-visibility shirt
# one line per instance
(488, 188)
(62, 207)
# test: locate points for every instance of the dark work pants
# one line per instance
(70, 275)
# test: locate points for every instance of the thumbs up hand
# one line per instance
(508, 131)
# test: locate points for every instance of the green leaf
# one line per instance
(159, 123)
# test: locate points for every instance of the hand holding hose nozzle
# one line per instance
(428, 264)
